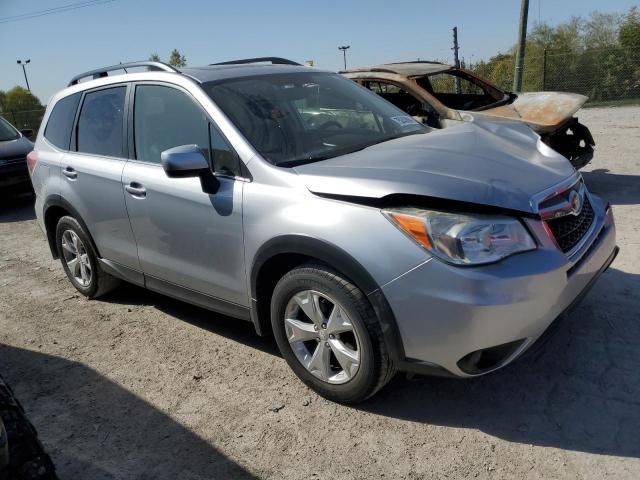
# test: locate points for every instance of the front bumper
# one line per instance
(14, 176)
(446, 313)
(574, 141)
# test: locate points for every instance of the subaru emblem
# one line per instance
(575, 200)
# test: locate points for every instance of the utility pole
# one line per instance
(24, 70)
(544, 69)
(522, 42)
(456, 58)
(344, 49)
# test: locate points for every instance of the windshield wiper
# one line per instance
(317, 158)
(343, 151)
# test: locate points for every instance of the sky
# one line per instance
(64, 44)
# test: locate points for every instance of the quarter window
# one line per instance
(100, 123)
(60, 124)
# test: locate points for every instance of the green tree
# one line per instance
(629, 35)
(176, 59)
(19, 99)
(601, 30)
(598, 56)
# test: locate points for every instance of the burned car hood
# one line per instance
(501, 164)
(543, 111)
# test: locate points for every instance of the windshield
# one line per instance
(303, 117)
(7, 132)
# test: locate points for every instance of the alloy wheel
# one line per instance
(76, 257)
(322, 336)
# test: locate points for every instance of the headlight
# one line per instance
(462, 239)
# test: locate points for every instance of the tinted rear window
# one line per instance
(60, 123)
(100, 122)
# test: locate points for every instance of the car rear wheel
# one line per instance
(329, 334)
(80, 261)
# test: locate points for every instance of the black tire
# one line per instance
(376, 368)
(27, 459)
(101, 282)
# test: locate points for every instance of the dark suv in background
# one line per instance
(14, 147)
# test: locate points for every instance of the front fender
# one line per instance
(340, 260)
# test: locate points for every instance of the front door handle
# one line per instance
(70, 173)
(135, 189)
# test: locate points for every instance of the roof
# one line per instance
(211, 73)
(409, 69)
(218, 71)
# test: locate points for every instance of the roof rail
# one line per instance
(273, 60)
(102, 72)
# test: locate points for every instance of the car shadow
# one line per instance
(17, 208)
(95, 429)
(580, 392)
(616, 188)
(232, 328)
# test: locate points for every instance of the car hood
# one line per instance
(497, 163)
(543, 111)
(19, 147)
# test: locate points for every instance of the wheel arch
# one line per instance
(283, 253)
(55, 208)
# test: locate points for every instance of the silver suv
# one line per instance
(295, 199)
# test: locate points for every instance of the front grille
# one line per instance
(570, 229)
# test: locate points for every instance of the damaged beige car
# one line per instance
(440, 95)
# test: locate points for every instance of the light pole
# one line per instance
(24, 70)
(522, 40)
(344, 49)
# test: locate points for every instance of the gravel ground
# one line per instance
(138, 386)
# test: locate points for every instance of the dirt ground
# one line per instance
(139, 386)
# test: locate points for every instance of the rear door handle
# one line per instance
(70, 173)
(135, 189)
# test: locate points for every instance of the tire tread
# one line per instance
(384, 366)
(104, 282)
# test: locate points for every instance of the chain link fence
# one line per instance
(606, 76)
(27, 119)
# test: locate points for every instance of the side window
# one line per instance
(375, 87)
(100, 122)
(165, 117)
(60, 124)
(396, 95)
(446, 83)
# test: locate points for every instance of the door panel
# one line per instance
(186, 236)
(93, 185)
(91, 177)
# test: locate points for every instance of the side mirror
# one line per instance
(188, 161)
(184, 161)
(27, 132)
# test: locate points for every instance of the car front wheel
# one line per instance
(329, 334)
